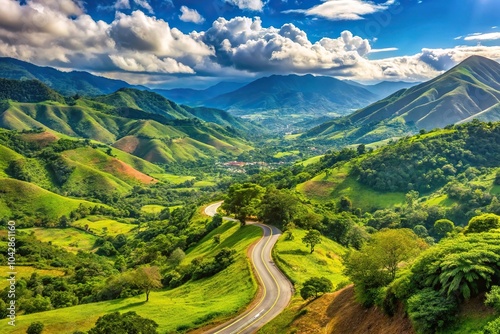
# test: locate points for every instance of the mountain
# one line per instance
(293, 94)
(469, 90)
(140, 123)
(66, 83)
(195, 97)
(386, 88)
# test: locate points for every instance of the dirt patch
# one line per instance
(319, 188)
(128, 144)
(118, 166)
(41, 139)
(339, 313)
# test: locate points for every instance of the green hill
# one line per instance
(27, 91)
(468, 91)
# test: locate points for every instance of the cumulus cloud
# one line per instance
(244, 44)
(191, 15)
(255, 5)
(142, 33)
(483, 36)
(340, 10)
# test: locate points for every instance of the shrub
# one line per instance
(35, 328)
(493, 298)
(493, 327)
(429, 310)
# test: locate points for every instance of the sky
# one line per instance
(170, 43)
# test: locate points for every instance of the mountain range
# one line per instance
(66, 83)
(468, 91)
(138, 122)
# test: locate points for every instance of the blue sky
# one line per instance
(170, 43)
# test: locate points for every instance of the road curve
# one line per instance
(276, 289)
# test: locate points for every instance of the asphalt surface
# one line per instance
(276, 289)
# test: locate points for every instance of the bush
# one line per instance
(35, 328)
(493, 298)
(429, 310)
(493, 327)
(315, 286)
(483, 223)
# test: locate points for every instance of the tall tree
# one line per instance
(243, 200)
(312, 238)
(147, 279)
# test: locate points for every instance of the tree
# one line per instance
(375, 265)
(126, 323)
(176, 257)
(35, 328)
(345, 204)
(442, 227)
(147, 279)
(483, 223)
(279, 207)
(242, 200)
(312, 238)
(315, 286)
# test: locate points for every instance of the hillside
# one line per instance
(142, 123)
(467, 91)
(67, 83)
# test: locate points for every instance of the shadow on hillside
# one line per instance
(295, 252)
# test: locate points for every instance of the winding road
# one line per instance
(276, 289)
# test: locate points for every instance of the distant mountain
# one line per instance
(293, 94)
(195, 97)
(66, 83)
(386, 88)
(467, 91)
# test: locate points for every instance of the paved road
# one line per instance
(276, 289)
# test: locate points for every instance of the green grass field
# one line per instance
(326, 187)
(294, 258)
(174, 179)
(71, 239)
(190, 305)
(20, 196)
(152, 208)
(25, 272)
(310, 161)
(97, 224)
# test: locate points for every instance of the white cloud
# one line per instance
(483, 36)
(383, 50)
(144, 4)
(191, 15)
(255, 5)
(122, 4)
(343, 9)
(244, 44)
(137, 62)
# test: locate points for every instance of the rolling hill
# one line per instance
(469, 90)
(138, 122)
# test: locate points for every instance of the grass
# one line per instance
(190, 305)
(202, 184)
(152, 208)
(310, 161)
(25, 272)
(280, 155)
(70, 239)
(97, 224)
(295, 259)
(174, 179)
(337, 182)
(29, 199)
